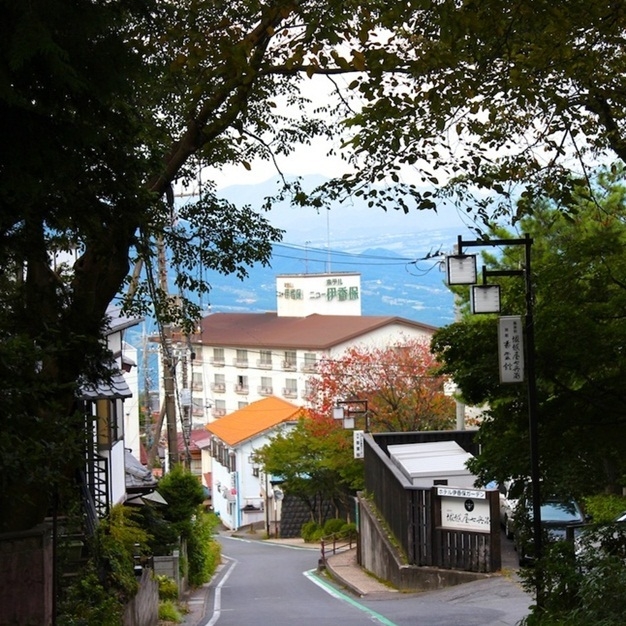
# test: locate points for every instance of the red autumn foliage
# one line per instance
(399, 382)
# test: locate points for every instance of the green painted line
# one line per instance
(333, 591)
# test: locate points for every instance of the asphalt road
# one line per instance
(278, 585)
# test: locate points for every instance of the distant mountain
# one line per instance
(395, 253)
(384, 247)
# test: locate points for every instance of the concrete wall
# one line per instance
(143, 609)
(378, 555)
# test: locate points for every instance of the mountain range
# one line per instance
(399, 256)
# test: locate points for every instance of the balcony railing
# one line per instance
(290, 393)
(218, 387)
(218, 412)
(264, 364)
(240, 362)
(289, 366)
(265, 391)
(217, 361)
(309, 367)
(241, 389)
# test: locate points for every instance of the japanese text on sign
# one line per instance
(511, 349)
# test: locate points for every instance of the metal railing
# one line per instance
(337, 542)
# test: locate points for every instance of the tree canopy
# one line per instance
(316, 462)
(399, 384)
(105, 107)
(580, 295)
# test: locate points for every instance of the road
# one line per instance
(277, 585)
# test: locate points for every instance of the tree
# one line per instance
(105, 107)
(317, 463)
(399, 383)
(578, 264)
(495, 103)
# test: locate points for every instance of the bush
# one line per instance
(168, 589)
(333, 526)
(604, 507)
(311, 531)
(168, 612)
(203, 552)
(349, 531)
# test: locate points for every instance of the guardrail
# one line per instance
(337, 542)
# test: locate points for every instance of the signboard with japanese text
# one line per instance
(337, 293)
(357, 440)
(464, 509)
(511, 349)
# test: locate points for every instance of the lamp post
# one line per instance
(343, 411)
(461, 270)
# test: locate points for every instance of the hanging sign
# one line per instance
(511, 349)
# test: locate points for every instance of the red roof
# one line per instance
(314, 332)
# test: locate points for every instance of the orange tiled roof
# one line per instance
(315, 332)
(254, 419)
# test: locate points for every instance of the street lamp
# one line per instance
(460, 270)
(343, 411)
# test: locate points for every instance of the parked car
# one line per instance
(510, 493)
(557, 515)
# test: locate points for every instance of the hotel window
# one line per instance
(242, 384)
(310, 361)
(196, 381)
(289, 361)
(241, 360)
(265, 359)
(218, 356)
(291, 388)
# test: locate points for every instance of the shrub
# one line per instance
(333, 526)
(168, 612)
(168, 589)
(604, 507)
(203, 552)
(311, 531)
(349, 531)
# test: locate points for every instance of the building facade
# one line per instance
(237, 358)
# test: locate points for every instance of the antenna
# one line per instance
(328, 241)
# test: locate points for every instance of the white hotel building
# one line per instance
(239, 358)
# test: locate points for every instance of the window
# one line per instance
(196, 381)
(289, 361)
(241, 405)
(198, 406)
(219, 383)
(266, 388)
(310, 362)
(242, 384)
(265, 359)
(218, 356)
(241, 360)
(219, 409)
(291, 388)
(110, 422)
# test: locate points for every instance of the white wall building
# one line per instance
(239, 358)
(241, 494)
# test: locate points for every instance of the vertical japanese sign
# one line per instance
(511, 349)
(358, 444)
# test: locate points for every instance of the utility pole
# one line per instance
(169, 368)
